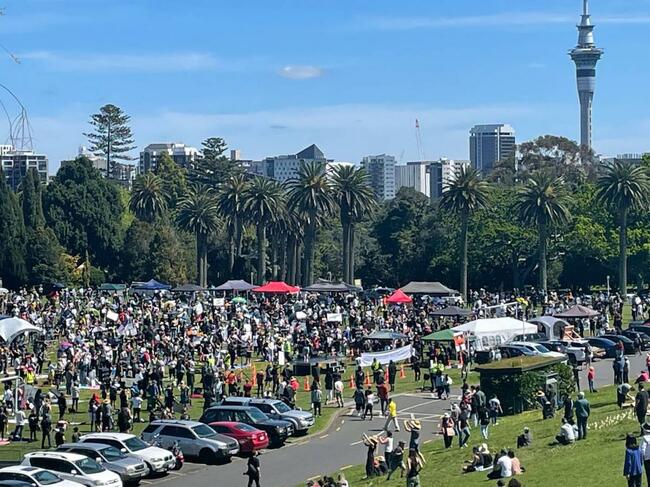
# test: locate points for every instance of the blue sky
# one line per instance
(272, 77)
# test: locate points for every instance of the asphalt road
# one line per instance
(340, 447)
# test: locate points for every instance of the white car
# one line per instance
(157, 459)
(35, 476)
(537, 349)
(71, 466)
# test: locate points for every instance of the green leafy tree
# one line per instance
(213, 168)
(134, 254)
(85, 211)
(623, 186)
(111, 137)
(465, 194)
(311, 194)
(231, 206)
(148, 201)
(12, 237)
(355, 200)
(198, 213)
(263, 204)
(172, 178)
(166, 256)
(543, 202)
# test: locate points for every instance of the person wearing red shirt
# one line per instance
(382, 394)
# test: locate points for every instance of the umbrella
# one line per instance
(440, 336)
(451, 311)
(93, 311)
(239, 300)
(577, 311)
(398, 297)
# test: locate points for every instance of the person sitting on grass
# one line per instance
(525, 439)
(568, 432)
(516, 464)
(476, 463)
(502, 466)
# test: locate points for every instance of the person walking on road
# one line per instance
(392, 415)
(583, 410)
(253, 469)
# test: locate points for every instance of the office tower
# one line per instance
(381, 170)
(183, 155)
(443, 172)
(414, 174)
(284, 168)
(489, 144)
(585, 55)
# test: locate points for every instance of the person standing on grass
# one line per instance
(583, 410)
(463, 428)
(591, 375)
(338, 392)
(633, 466)
(447, 429)
(392, 374)
(316, 398)
(484, 422)
(495, 408)
(641, 405)
(645, 449)
(413, 467)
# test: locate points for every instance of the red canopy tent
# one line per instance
(398, 297)
(276, 287)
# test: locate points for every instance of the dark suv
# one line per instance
(277, 430)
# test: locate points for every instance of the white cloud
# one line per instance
(165, 62)
(301, 72)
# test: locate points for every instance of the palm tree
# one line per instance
(147, 199)
(463, 195)
(542, 201)
(310, 193)
(623, 187)
(355, 198)
(231, 205)
(263, 203)
(198, 212)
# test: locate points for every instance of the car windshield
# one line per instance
(245, 427)
(281, 407)
(257, 415)
(89, 466)
(135, 444)
(203, 431)
(46, 478)
(542, 348)
(111, 453)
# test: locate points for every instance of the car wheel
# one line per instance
(207, 456)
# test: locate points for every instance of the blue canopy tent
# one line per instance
(151, 285)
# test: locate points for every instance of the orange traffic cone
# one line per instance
(351, 382)
(402, 375)
(305, 386)
(367, 382)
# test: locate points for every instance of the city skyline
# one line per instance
(355, 91)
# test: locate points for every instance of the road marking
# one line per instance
(346, 467)
(416, 406)
(428, 441)
(313, 478)
(338, 429)
(342, 421)
(356, 443)
(324, 436)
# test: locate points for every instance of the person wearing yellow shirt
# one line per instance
(392, 416)
(30, 378)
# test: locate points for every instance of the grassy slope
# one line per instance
(595, 461)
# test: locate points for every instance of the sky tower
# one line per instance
(586, 55)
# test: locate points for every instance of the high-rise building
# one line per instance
(123, 173)
(182, 154)
(381, 170)
(634, 159)
(489, 144)
(16, 163)
(414, 174)
(585, 56)
(443, 172)
(283, 168)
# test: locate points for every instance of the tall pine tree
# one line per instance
(13, 270)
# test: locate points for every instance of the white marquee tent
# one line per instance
(492, 332)
(10, 328)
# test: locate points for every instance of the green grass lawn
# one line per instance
(595, 461)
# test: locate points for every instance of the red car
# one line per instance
(250, 439)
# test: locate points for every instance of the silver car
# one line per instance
(276, 409)
(130, 469)
(194, 439)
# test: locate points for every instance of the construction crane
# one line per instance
(418, 140)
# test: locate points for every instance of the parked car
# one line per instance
(158, 460)
(510, 351)
(576, 355)
(628, 345)
(249, 438)
(635, 335)
(34, 476)
(277, 430)
(583, 344)
(195, 439)
(130, 469)
(15, 483)
(640, 326)
(527, 337)
(537, 349)
(276, 409)
(605, 344)
(71, 466)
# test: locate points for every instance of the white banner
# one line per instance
(403, 353)
(334, 318)
(112, 315)
(218, 302)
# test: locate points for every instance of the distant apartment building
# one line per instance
(123, 173)
(441, 173)
(16, 163)
(635, 159)
(182, 154)
(489, 144)
(414, 175)
(381, 170)
(284, 168)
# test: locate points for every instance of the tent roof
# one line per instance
(493, 325)
(451, 311)
(399, 297)
(108, 286)
(188, 288)
(385, 335)
(236, 285)
(431, 288)
(150, 285)
(277, 287)
(440, 336)
(325, 286)
(10, 328)
(577, 311)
